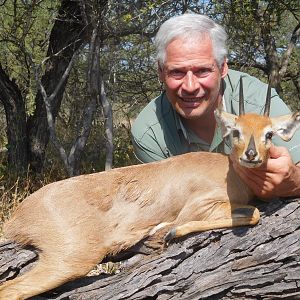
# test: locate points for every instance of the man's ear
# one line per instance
(160, 72)
(286, 126)
(224, 68)
(225, 120)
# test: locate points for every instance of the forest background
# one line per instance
(74, 75)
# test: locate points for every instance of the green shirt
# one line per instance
(158, 132)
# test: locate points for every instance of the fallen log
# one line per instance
(260, 262)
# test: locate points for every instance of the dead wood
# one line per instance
(261, 262)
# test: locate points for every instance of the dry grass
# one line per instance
(13, 190)
(12, 193)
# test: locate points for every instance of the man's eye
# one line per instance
(176, 74)
(236, 134)
(203, 72)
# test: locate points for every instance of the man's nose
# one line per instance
(190, 83)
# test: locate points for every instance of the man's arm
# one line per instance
(279, 177)
(145, 153)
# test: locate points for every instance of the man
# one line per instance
(192, 65)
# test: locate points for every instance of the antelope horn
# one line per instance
(268, 102)
(241, 98)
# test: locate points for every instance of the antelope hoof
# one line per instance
(170, 236)
(242, 212)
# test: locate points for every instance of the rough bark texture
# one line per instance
(11, 98)
(67, 35)
(261, 262)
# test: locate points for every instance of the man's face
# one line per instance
(191, 76)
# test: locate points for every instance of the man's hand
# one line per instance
(278, 177)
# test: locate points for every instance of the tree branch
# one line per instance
(47, 100)
(108, 116)
(287, 54)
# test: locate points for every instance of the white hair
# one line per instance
(190, 27)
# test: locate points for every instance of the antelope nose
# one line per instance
(251, 152)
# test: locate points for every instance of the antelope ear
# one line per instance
(286, 126)
(225, 120)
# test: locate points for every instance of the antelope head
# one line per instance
(252, 134)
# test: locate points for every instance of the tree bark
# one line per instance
(260, 262)
(66, 37)
(95, 80)
(11, 97)
(108, 117)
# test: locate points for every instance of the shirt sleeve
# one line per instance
(148, 137)
(147, 151)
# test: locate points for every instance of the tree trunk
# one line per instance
(108, 117)
(66, 37)
(260, 262)
(14, 106)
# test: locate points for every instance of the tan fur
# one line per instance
(76, 222)
(253, 124)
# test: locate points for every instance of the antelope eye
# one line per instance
(235, 133)
(269, 135)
